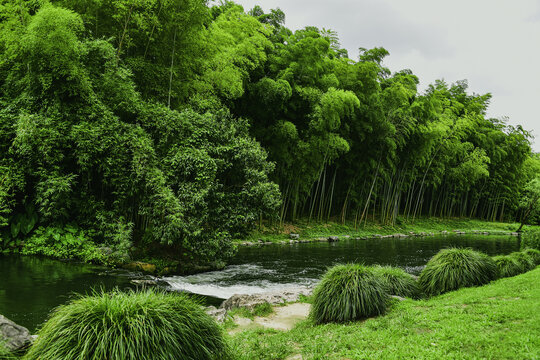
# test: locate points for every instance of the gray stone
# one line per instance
(14, 337)
(149, 282)
(333, 238)
(218, 314)
(273, 298)
(294, 236)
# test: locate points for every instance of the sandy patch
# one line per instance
(283, 318)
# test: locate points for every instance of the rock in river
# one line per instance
(14, 337)
(273, 298)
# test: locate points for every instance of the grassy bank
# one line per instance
(496, 321)
(313, 230)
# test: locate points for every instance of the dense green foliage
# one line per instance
(508, 266)
(128, 326)
(398, 282)
(348, 292)
(172, 126)
(454, 268)
(80, 144)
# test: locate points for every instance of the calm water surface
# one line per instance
(31, 286)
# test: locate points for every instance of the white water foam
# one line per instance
(235, 279)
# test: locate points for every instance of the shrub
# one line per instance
(525, 260)
(347, 293)
(454, 268)
(398, 282)
(508, 266)
(67, 242)
(534, 254)
(148, 325)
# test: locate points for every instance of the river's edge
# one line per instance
(296, 239)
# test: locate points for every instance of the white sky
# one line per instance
(494, 44)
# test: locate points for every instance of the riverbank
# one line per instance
(499, 320)
(304, 231)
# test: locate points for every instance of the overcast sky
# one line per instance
(494, 44)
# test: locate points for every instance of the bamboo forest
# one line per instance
(172, 140)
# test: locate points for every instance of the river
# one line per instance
(31, 286)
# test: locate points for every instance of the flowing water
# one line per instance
(278, 267)
(31, 286)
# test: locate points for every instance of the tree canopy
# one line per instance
(175, 125)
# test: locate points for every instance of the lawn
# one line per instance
(500, 320)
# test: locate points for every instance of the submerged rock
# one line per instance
(273, 298)
(14, 337)
(154, 282)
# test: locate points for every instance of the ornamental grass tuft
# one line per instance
(398, 282)
(508, 266)
(534, 254)
(454, 268)
(526, 260)
(148, 325)
(347, 293)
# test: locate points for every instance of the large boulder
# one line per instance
(13, 336)
(273, 298)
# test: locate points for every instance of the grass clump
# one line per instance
(508, 266)
(347, 293)
(534, 254)
(454, 268)
(148, 325)
(525, 260)
(398, 282)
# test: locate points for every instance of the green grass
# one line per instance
(508, 266)
(348, 292)
(534, 254)
(398, 282)
(146, 325)
(454, 268)
(496, 321)
(313, 230)
(525, 260)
